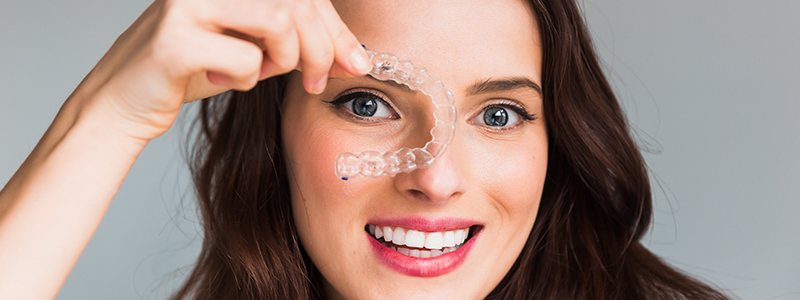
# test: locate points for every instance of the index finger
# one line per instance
(349, 55)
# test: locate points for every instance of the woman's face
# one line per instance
(487, 184)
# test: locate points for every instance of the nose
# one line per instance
(441, 182)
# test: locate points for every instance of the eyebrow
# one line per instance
(503, 85)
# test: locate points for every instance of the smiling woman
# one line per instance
(542, 193)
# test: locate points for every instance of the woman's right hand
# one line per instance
(179, 51)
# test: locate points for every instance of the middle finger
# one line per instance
(316, 46)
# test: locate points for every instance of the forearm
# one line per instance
(53, 204)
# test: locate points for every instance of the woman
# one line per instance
(542, 174)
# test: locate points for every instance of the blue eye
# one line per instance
(497, 116)
(365, 105)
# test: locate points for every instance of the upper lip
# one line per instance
(419, 223)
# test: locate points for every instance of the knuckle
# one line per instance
(280, 28)
(327, 56)
(285, 64)
(247, 83)
(250, 57)
(166, 47)
(342, 35)
(174, 13)
(246, 70)
(305, 10)
(323, 56)
(183, 10)
(280, 15)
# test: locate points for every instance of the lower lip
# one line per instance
(422, 267)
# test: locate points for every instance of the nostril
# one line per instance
(418, 194)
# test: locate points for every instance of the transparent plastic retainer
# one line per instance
(387, 67)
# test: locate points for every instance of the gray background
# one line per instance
(710, 87)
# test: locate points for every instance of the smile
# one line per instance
(422, 248)
(414, 243)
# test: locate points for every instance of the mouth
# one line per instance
(420, 244)
(422, 252)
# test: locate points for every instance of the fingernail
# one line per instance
(360, 60)
(319, 87)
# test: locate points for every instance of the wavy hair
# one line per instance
(585, 243)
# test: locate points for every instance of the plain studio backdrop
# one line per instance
(710, 88)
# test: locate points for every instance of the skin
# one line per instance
(494, 177)
(179, 51)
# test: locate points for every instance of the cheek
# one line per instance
(310, 155)
(514, 176)
(310, 152)
(310, 148)
(317, 194)
(328, 211)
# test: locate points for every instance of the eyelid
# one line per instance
(511, 105)
(339, 100)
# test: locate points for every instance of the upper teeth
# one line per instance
(417, 239)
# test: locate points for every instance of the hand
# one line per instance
(179, 51)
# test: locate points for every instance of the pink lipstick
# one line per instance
(421, 247)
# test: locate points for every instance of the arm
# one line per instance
(53, 204)
(176, 52)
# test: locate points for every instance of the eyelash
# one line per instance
(519, 109)
(506, 104)
(343, 98)
(339, 101)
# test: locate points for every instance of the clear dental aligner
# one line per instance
(386, 67)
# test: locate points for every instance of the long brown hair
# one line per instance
(585, 243)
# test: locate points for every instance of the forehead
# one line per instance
(458, 41)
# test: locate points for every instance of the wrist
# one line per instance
(117, 120)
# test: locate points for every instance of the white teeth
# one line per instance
(399, 236)
(434, 240)
(387, 234)
(460, 236)
(414, 239)
(414, 253)
(439, 242)
(449, 239)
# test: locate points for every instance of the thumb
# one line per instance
(200, 86)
